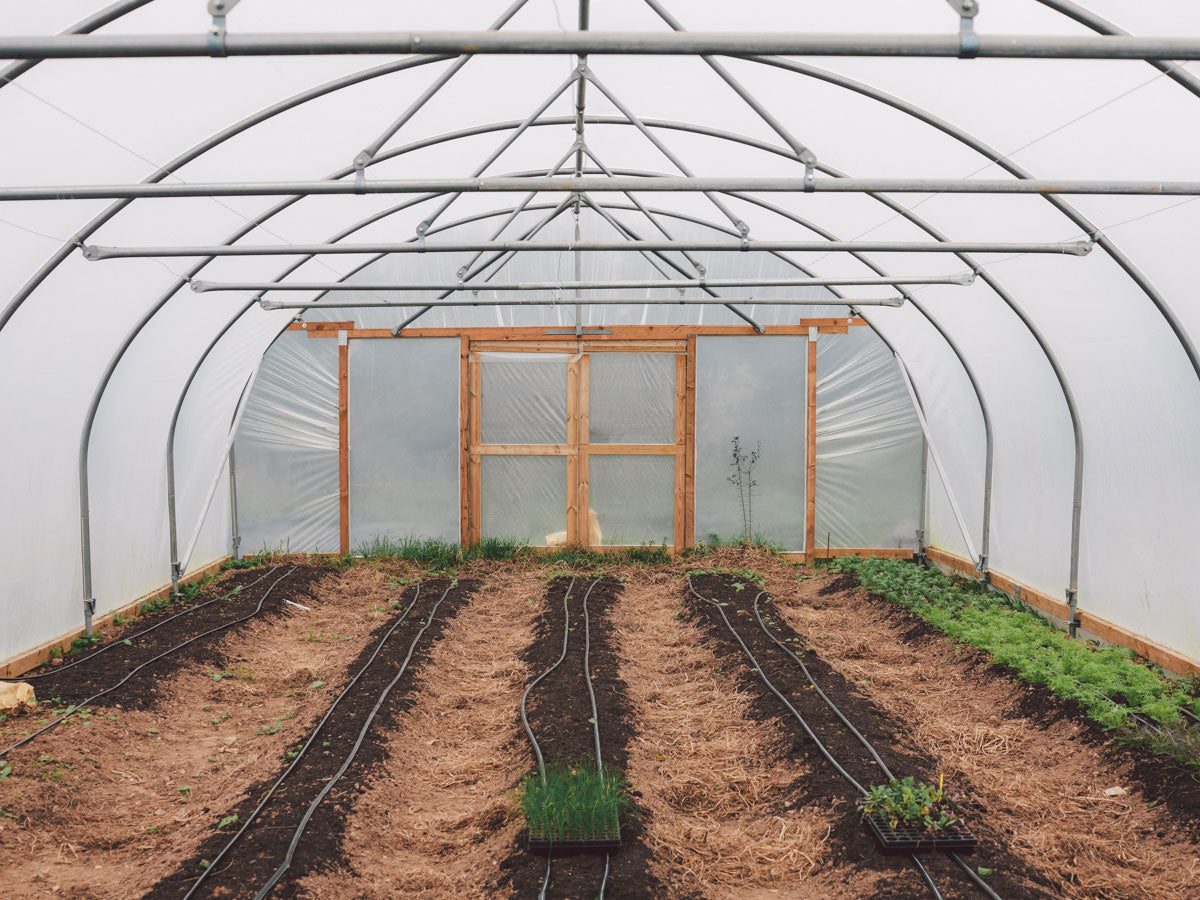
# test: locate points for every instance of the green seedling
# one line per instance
(227, 821)
(574, 802)
(186, 791)
(908, 803)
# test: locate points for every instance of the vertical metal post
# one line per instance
(235, 539)
(921, 515)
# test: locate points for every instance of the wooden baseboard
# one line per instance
(838, 552)
(1152, 650)
(31, 659)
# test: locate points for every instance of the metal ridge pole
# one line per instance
(652, 43)
(618, 183)
(1066, 248)
(203, 287)
(430, 303)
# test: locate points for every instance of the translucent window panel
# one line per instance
(287, 450)
(633, 498)
(632, 398)
(525, 498)
(752, 388)
(524, 398)
(404, 437)
(868, 446)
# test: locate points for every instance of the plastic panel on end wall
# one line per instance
(403, 409)
(524, 398)
(868, 446)
(524, 498)
(751, 388)
(633, 498)
(632, 398)
(287, 450)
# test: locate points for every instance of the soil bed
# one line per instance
(853, 844)
(559, 713)
(242, 590)
(257, 854)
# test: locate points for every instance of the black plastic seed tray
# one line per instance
(592, 842)
(957, 838)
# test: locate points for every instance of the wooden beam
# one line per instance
(621, 346)
(679, 531)
(476, 474)
(810, 451)
(321, 329)
(1143, 646)
(344, 445)
(689, 448)
(616, 333)
(573, 516)
(580, 486)
(31, 659)
(464, 440)
(524, 450)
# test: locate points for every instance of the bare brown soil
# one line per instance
(110, 802)
(440, 817)
(733, 803)
(1040, 784)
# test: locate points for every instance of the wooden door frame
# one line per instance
(578, 448)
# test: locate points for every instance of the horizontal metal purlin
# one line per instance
(1069, 248)
(571, 301)
(655, 43)
(593, 184)
(203, 287)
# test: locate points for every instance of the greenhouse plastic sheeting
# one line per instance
(632, 398)
(868, 446)
(751, 388)
(524, 498)
(1117, 321)
(403, 453)
(524, 397)
(633, 498)
(287, 450)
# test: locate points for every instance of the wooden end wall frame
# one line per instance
(578, 449)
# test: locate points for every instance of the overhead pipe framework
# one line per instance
(894, 302)
(1067, 248)
(1093, 22)
(586, 43)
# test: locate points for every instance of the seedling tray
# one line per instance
(545, 845)
(957, 838)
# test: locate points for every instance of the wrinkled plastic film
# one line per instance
(868, 446)
(752, 388)
(632, 398)
(404, 464)
(287, 450)
(632, 498)
(524, 498)
(524, 397)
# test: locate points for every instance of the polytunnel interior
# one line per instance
(1053, 383)
(842, 357)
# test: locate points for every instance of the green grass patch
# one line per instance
(1105, 681)
(437, 553)
(575, 803)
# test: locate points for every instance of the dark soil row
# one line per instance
(855, 848)
(559, 713)
(257, 854)
(1172, 786)
(242, 594)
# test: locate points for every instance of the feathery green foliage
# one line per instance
(1106, 682)
(576, 802)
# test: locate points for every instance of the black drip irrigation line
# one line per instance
(362, 734)
(924, 873)
(76, 708)
(59, 670)
(869, 747)
(212, 867)
(587, 646)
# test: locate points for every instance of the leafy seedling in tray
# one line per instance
(907, 815)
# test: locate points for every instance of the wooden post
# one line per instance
(464, 440)
(344, 442)
(475, 519)
(573, 378)
(680, 514)
(689, 447)
(579, 486)
(810, 452)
